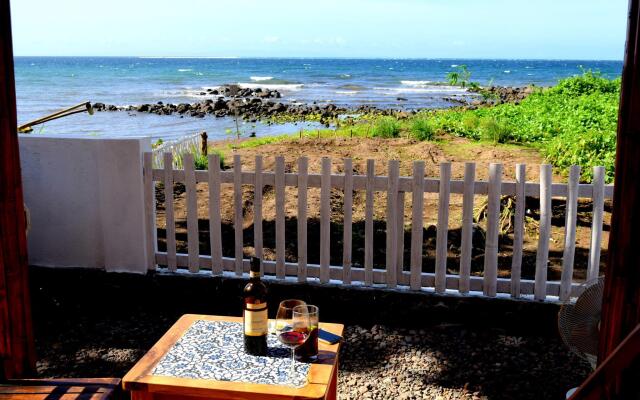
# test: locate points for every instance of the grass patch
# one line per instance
(422, 129)
(386, 127)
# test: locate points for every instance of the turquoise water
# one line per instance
(46, 84)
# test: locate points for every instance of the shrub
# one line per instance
(596, 148)
(492, 130)
(202, 162)
(470, 122)
(386, 127)
(422, 129)
(589, 82)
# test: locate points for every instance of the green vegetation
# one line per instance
(460, 76)
(202, 162)
(493, 130)
(386, 127)
(573, 122)
(422, 129)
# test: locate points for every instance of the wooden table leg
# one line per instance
(332, 390)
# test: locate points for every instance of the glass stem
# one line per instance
(293, 363)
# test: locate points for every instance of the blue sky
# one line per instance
(557, 29)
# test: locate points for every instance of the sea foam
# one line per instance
(261, 78)
(415, 83)
(283, 86)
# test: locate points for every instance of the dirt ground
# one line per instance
(452, 149)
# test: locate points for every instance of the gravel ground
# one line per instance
(454, 362)
(379, 362)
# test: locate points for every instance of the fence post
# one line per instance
(280, 219)
(215, 233)
(493, 231)
(193, 240)
(542, 256)
(467, 227)
(347, 221)
(518, 230)
(325, 220)
(238, 219)
(417, 210)
(168, 212)
(442, 231)
(391, 224)
(368, 227)
(150, 211)
(257, 212)
(570, 233)
(303, 171)
(204, 150)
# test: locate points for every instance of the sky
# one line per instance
(540, 29)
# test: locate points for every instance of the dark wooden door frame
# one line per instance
(621, 300)
(16, 334)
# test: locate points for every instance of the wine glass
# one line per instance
(285, 309)
(292, 329)
(309, 350)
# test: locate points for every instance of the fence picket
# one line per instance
(391, 223)
(570, 233)
(542, 256)
(215, 231)
(168, 211)
(518, 230)
(400, 233)
(442, 227)
(257, 212)
(417, 210)
(280, 234)
(348, 221)
(193, 239)
(303, 170)
(368, 227)
(150, 211)
(593, 268)
(490, 282)
(467, 227)
(237, 213)
(325, 220)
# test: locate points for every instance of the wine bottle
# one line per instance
(256, 323)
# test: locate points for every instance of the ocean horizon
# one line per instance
(45, 84)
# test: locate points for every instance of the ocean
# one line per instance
(47, 84)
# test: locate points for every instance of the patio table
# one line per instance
(201, 357)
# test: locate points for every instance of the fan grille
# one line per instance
(579, 323)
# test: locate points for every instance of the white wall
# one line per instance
(86, 200)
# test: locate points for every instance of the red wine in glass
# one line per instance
(292, 338)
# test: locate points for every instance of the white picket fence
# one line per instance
(392, 275)
(178, 148)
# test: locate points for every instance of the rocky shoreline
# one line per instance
(262, 104)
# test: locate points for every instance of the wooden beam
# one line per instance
(621, 300)
(16, 344)
(598, 383)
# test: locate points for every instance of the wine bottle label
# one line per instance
(253, 274)
(256, 322)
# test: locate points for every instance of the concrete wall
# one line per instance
(86, 200)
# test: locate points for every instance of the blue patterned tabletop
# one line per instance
(215, 350)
